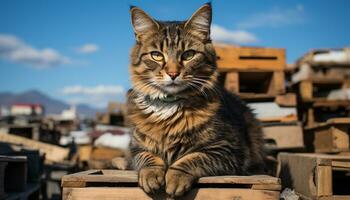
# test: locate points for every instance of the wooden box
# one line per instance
(122, 185)
(250, 58)
(329, 137)
(282, 136)
(315, 176)
(319, 88)
(254, 84)
(319, 111)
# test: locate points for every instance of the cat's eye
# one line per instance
(188, 55)
(157, 56)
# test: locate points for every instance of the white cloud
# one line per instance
(96, 96)
(88, 48)
(16, 50)
(276, 17)
(222, 34)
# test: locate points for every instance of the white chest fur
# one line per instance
(157, 108)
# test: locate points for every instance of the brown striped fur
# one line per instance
(185, 125)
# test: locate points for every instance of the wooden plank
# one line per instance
(324, 180)
(331, 140)
(125, 193)
(127, 176)
(288, 118)
(52, 152)
(285, 136)
(277, 86)
(305, 90)
(243, 58)
(311, 175)
(329, 137)
(339, 120)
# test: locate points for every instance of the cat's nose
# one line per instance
(173, 75)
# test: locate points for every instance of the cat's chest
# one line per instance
(156, 109)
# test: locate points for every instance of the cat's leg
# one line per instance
(151, 171)
(181, 175)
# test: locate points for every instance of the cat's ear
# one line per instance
(200, 21)
(142, 22)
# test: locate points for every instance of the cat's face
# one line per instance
(172, 57)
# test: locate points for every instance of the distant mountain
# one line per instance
(52, 106)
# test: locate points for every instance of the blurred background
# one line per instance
(77, 52)
(64, 77)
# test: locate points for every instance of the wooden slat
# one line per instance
(124, 176)
(243, 58)
(124, 193)
(52, 152)
(285, 136)
(324, 180)
(310, 174)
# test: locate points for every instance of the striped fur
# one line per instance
(188, 127)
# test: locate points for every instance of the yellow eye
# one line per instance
(188, 55)
(157, 56)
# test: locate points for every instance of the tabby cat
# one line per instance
(185, 125)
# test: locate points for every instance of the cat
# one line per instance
(186, 125)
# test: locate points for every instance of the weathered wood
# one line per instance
(309, 89)
(329, 137)
(125, 193)
(52, 153)
(255, 84)
(243, 58)
(126, 176)
(283, 136)
(311, 175)
(92, 184)
(324, 180)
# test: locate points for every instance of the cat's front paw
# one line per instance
(177, 182)
(151, 178)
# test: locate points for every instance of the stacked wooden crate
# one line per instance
(122, 185)
(322, 86)
(323, 172)
(316, 176)
(257, 76)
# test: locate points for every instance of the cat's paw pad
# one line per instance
(177, 182)
(151, 179)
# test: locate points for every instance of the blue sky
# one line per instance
(78, 51)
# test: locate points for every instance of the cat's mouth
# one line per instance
(173, 88)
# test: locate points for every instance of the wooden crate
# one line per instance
(97, 184)
(319, 111)
(250, 58)
(283, 136)
(316, 176)
(315, 89)
(329, 137)
(254, 84)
